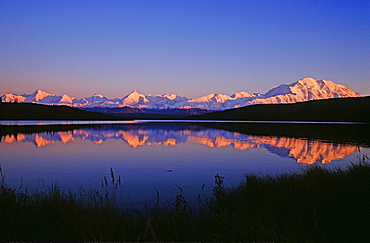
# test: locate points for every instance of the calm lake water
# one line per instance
(157, 156)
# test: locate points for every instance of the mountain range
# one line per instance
(302, 90)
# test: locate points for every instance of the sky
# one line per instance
(191, 48)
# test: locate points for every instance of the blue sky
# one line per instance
(191, 48)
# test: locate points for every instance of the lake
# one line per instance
(154, 156)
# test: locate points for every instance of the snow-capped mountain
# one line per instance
(12, 98)
(43, 97)
(132, 99)
(302, 90)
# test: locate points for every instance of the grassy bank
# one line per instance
(315, 205)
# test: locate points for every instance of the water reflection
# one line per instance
(306, 151)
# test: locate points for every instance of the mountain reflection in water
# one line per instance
(305, 151)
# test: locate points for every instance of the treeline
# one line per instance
(30, 111)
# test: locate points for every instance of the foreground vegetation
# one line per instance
(315, 205)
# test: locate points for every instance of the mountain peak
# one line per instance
(37, 96)
(133, 98)
(242, 94)
(134, 94)
(96, 98)
(307, 80)
(40, 92)
(169, 96)
(213, 97)
(306, 89)
(98, 95)
(66, 99)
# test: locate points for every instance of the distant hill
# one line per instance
(29, 111)
(330, 110)
(148, 113)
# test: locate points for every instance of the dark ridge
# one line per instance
(329, 110)
(125, 109)
(148, 113)
(29, 111)
(356, 134)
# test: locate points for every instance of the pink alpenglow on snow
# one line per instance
(302, 90)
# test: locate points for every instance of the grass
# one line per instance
(315, 205)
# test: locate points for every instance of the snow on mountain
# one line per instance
(282, 89)
(79, 103)
(215, 98)
(243, 94)
(96, 98)
(134, 98)
(165, 101)
(301, 90)
(66, 99)
(37, 96)
(214, 101)
(13, 98)
(51, 99)
(169, 96)
(217, 101)
(43, 97)
(304, 90)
